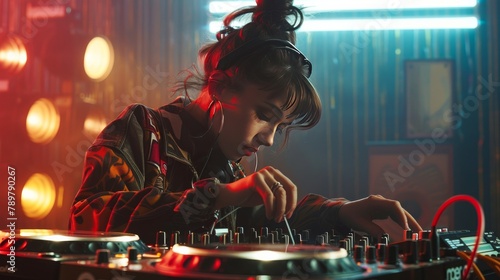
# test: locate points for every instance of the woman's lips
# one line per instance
(249, 150)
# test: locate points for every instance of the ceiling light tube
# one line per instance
(376, 24)
(224, 7)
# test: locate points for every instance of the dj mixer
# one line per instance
(264, 254)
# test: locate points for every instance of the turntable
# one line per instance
(56, 254)
(258, 261)
(38, 253)
(61, 242)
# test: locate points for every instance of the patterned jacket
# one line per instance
(142, 175)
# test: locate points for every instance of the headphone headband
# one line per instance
(230, 59)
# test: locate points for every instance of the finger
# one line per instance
(280, 203)
(394, 210)
(290, 188)
(359, 221)
(263, 186)
(289, 196)
(412, 222)
(291, 201)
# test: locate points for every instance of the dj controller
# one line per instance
(264, 255)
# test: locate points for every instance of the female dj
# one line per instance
(177, 168)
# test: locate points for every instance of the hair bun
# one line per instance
(274, 5)
(275, 13)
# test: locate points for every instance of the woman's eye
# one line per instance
(263, 116)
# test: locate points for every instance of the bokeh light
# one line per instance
(38, 196)
(99, 58)
(13, 55)
(42, 122)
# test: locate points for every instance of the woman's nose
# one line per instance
(266, 137)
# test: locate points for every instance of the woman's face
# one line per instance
(250, 120)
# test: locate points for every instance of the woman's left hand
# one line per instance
(360, 214)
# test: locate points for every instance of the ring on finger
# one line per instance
(276, 186)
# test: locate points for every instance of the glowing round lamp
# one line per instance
(99, 58)
(42, 122)
(77, 56)
(94, 122)
(13, 55)
(38, 196)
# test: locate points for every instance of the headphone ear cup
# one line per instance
(217, 81)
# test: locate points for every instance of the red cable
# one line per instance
(480, 224)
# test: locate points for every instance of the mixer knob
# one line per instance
(270, 239)
(230, 236)
(240, 230)
(411, 254)
(102, 256)
(392, 256)
(223, 239)
(276, 236)
(161, 239)
(264, 231)
(236, 238)
(298, 238)
(359, 254)
(381, 251)
(348, 245)
(407, 234)
(343, 244)
(320, 240)
(351, 241)
(286, 239)
(385, 239)
(305, 235)
(371, 254)
(364, 243)
(424, 234)
(327, 237)
(132, 254)
(424, 250)
(174, 238)
(205, 239)
(254, 237)
(190, 238)
(435, 247)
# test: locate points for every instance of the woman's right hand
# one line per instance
(267, 186)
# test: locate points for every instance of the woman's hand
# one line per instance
(359, 215)
(267, 186)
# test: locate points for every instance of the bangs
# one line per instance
(282, 74)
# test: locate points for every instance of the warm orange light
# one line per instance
(38, 196)
(99, 58)
(42, 122)
(94, 122)
(13, 55)
(77, 56)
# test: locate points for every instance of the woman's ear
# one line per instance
(216, 83)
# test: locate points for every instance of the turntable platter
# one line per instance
(245, 261)
(70, 242)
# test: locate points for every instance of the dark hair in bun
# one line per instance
(276, 19)
(273, 62)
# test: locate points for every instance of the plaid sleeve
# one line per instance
(123, 186)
